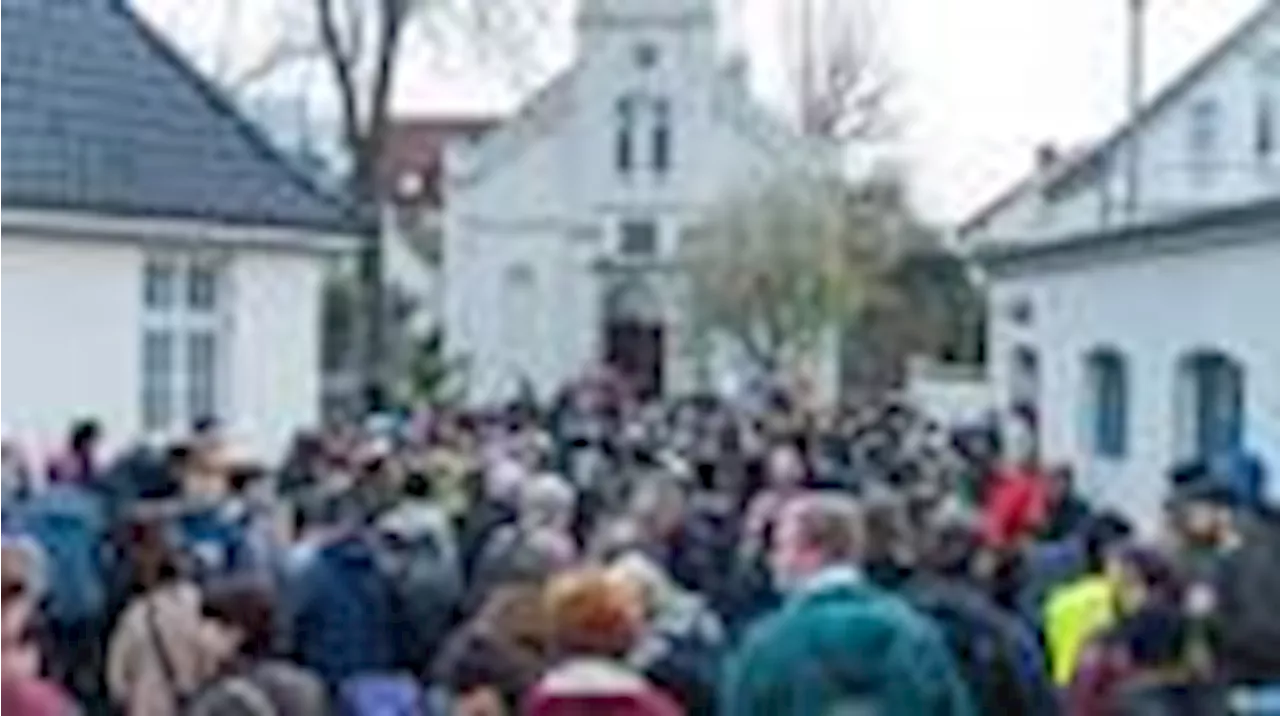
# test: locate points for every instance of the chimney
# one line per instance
(737, 69)
(1046, 156)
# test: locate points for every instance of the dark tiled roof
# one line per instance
(416, 146)
(101, 114)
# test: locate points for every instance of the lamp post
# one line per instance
(1133, 158)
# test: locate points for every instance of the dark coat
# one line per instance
(998, 655)
(1164, 699)
(344, 624)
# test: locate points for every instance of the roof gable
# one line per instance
(731, 105)
(101, 114)
(1081, 165)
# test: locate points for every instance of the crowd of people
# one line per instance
(604, 555)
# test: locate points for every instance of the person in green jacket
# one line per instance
(839, 644)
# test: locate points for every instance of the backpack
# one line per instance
(508, 556)
(684, 659)
(1247, 581)
(68, 524)
(425, 590)
(381, 695)
(217, 540)
(984, 650)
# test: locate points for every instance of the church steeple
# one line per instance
(687, 24)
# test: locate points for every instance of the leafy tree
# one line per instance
(934, 310)
(432, 378)
(777, 268)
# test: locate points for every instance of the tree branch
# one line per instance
(390, 29)
(341, 65)
(287, 52)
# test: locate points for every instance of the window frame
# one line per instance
(624, 151)
(643, 227)
(1203, 138)
(186, 389)
(661, 152)
(1264, 129)
(1109, 397)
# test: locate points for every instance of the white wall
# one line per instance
(405, 268)
(275, 359)
(1153, 310)
(951, 395)
(71, 339)
(72, 332)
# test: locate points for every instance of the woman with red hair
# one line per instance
(595, 620)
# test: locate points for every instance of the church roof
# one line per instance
(101, 114)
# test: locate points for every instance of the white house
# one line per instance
(161, 262)
(561, 224)
(1140, 329)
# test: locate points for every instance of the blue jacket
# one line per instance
(843, 643)
(343, 624)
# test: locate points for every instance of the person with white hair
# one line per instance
(536, 545)
(546, 502)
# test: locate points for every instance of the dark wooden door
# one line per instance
(634, 349)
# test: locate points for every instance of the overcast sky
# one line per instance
(984, 81)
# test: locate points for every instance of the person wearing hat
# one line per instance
(1229, 541)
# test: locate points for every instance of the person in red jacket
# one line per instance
(595, 620)
(1016, 504)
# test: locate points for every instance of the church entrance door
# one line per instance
(634, 349)
(633, 335)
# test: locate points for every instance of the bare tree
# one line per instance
(348, 54)
(838, 71)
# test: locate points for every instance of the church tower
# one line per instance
(687, 25)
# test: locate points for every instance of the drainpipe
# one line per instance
(1133, 158)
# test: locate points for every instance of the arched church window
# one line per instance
(623, 150)
(645, 55)
(1211, 404)
(661, 135)
(1108, 399)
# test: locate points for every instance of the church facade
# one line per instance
(562, 224)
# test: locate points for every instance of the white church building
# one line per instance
(561, 224)
(1134, 300)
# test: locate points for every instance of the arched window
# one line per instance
(1264, 140)
(1107, 382)
(661, 136)
(1023, 434)
(1024, 386)
(623, 149)
(1211, 404)
(518, 318)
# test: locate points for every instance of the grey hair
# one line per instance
(832, 524)
(546, 497)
